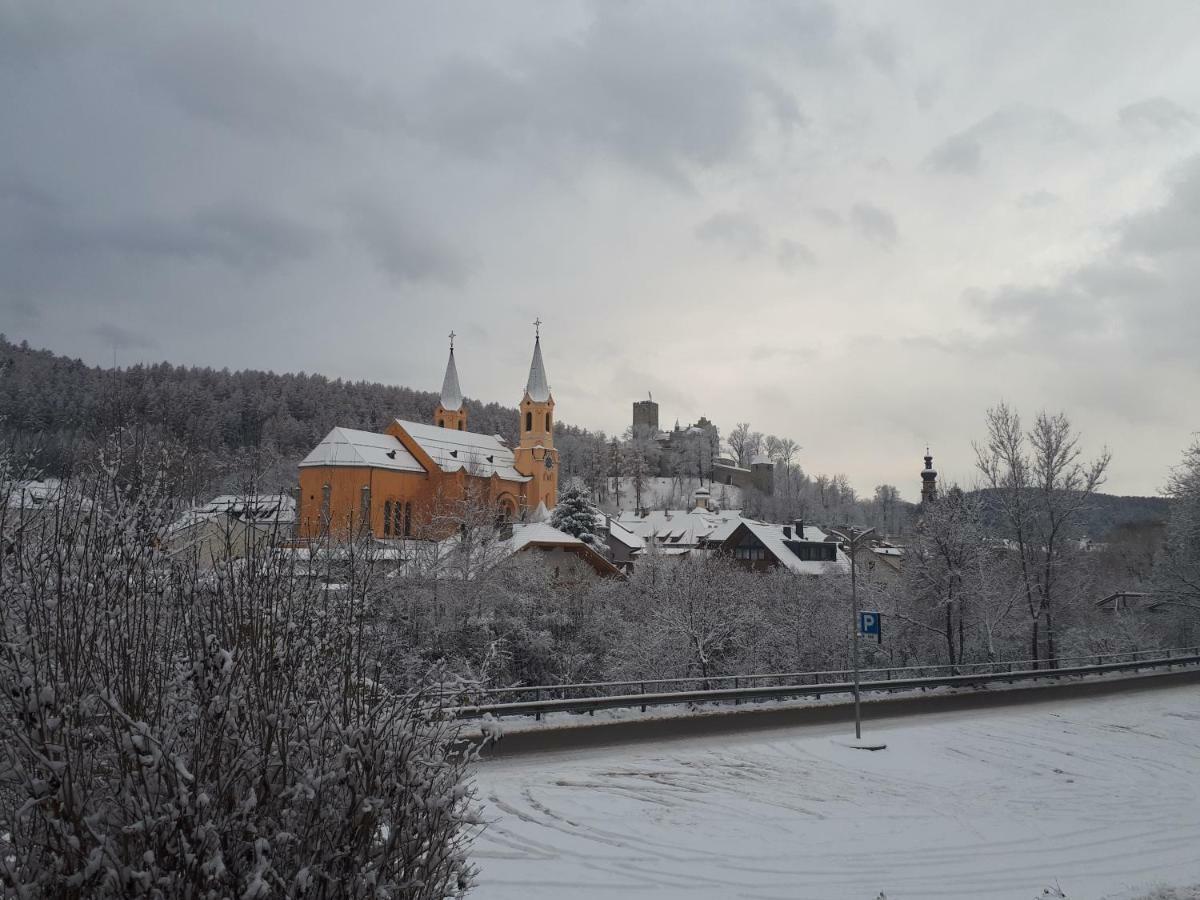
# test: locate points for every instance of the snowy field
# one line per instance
(1100, 796)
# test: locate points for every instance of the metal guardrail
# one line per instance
(991, 673)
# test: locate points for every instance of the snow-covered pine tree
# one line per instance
(576, 515)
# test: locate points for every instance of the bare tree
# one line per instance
(1177, 575)
(738, 441)
(1040, 484)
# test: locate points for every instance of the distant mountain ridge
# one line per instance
(1102, 514)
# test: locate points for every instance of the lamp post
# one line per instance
(854, 539)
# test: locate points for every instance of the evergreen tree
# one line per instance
(575, 514)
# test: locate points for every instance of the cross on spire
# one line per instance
(452, 336)
(537, 327)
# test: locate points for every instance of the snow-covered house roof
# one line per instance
(677, 527)
(542, 535)
(621, 534)
(350, 447)
(478, 454)
(35, 494)
(789, 546)
(252, 509)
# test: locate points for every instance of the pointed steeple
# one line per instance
(452, 397)
(450, 412)
(538, 388)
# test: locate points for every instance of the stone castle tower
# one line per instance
(535, 454)
(450, 411)
(645, 415)
(928, 480)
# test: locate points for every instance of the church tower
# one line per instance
(535, 454)
(928, 480)
(451, 411)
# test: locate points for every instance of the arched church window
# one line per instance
(387, 518)
(408, 520)
(529, 421)
(547, 421)
(441, 423)
(460, 425)
(397, 518)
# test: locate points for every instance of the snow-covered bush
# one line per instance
(168, 730)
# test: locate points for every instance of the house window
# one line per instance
(387, 518)
(364, 507)
(751, 553)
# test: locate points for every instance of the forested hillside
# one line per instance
(229, 424)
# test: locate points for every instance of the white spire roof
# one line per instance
(452, 397)
(537, 387)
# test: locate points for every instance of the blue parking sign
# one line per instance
(870, 623)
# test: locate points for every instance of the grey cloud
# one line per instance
(1038, 199)
(631, 87)
(240, 238)
(879, 46)
(121, 338)
(792, 254)
(1157, 114)
(20, 310)
(1133, 302)
(875, 224)
(407, 251)
(1020, 125)
(1175, 226)
(31, 32)
(959, 154)
(247, 85)
(736, 230)
(828, 217)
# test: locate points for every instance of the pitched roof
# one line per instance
(545, 535)
(538, 388)
(452, 397)
(478, 454)
(350, 447)
(784, 550)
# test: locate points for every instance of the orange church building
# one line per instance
(412, 479)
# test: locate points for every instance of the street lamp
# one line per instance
(854, 539)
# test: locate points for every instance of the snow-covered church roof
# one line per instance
(350, 447)
(452, 397)
(538, 388)
(478, 454)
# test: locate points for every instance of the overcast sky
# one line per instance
(856, 225)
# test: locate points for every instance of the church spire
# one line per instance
(452, 397)
(450, 412)
(928, 479)
(535, 455)
(537, 387)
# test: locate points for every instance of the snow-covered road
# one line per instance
(1101, 795)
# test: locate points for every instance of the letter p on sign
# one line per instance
(869, 623)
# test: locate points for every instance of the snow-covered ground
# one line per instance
(1100, 796)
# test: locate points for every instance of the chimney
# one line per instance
(787, 532)
(799, 529)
